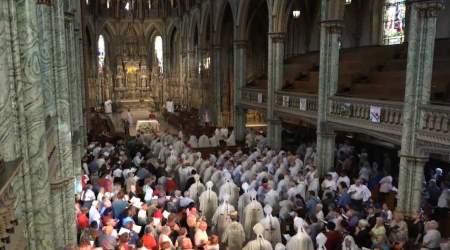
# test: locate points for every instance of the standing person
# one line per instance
(334, 238)
(415, 230)
(378, 230)
(359, 193)
(432, 238)
(362, 234)
(130, 119)
(206, 118)
(126, 127)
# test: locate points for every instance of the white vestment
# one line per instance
(195, 190)
(259, 243)
(203, 142)
(253, 213)
(243, 201)
(272, 230)
(234, 236)
(193, 141)
(300, 241)
(232, 190)
(208, 204)
(221, 218)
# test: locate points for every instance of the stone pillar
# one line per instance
(217, 81)
(275, 83)
(60, 70)
(240, 77)
(330, 35)
(410, 183)
(9, 149)
(421, 36)
(75, 120)
(32, 126)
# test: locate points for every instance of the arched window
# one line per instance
(159, 52)
(394, 22)
(101, 53)
(127, 6)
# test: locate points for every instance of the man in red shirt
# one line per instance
(82, 219)
(334, 238)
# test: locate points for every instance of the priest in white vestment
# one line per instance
(259, 243)
(208, 203)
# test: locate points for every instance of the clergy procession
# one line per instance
(159, 192)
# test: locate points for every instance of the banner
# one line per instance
(302, 104)
(375, 114)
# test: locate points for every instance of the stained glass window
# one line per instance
(159, 52)
(394, 22)
(101, 53)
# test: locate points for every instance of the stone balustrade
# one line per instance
(256, 97)
(435, 124)
(436, 119)
(370, 111)
(375, 117)
(296, 101)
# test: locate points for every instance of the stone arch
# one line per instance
(219, 18)
(193, 29)
(243, 17)
(205, 24)
(151, 33)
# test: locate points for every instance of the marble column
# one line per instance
(411, 176)
(275, 83)
(330, 35)
(60, 71)
(240, 77)
(8, 121)
(31, 110)
(13, 136)
(217, 81)
(421, 37)
(74, 101)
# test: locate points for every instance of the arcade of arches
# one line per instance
(372, 73)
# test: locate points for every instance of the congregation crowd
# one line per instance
(158, 192)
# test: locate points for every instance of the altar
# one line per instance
(147, 126)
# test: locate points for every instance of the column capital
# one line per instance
(277, 36)
(240, 44)
(334, 26)
(427, 8)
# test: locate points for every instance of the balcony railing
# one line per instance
(257, 97)
(298, 102)
(370, 111)
(436, 122)
(380, 118)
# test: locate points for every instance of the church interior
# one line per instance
(313, 124)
